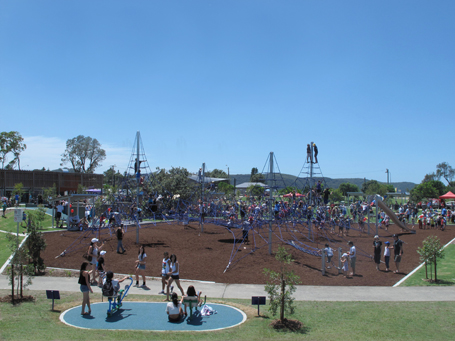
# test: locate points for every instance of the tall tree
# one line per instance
(11, 142)
(84, 153)
(446, 171)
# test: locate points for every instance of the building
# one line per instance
(66, 181)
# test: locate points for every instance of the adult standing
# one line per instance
(315, 149)
(140, 265)
(377, 244)
(174, 274)
(84, 281)
(58, 214)
(119, 233)
(352, 256)
(397, 251)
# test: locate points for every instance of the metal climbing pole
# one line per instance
(270, 206)
(202, 197)
(310, 232)
(138, 175)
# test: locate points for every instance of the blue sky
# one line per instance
(227, 82)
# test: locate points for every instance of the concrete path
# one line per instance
(245, 291)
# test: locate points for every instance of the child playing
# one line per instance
(387, 255)
(345, 266)
(329, 252)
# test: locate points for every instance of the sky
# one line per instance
(225, 83)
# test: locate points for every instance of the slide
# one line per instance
(392, 216)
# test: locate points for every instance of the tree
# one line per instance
(425, 190)
(281, 285)
(372, 187)
(446, 171)
(18, 267)
(11, 142)
(35, 241)
(336, 195)
(49, 193)
(256, 176)
(217, 173)
(255, 190)
(175, 181)
(226, 188)
(18, 189)
(429, 177)
(346, 187)
(84, 153)
(431, 251)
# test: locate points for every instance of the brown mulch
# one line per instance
(17, 300)
(287, 325)
(205, 256)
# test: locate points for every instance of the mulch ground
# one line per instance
(205, 256)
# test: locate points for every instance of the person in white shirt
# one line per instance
(352, 257)
(174, 309)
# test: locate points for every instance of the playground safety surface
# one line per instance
(205, 256)
(151, 316)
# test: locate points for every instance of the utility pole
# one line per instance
(387, 171)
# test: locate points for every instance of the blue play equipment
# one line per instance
(115, 302)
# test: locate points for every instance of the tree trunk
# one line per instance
(426, 270)
(283, 287)
(22, 278)
(12, 283)
(435, 275)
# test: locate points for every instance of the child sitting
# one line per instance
(174, 309)
(115, 284)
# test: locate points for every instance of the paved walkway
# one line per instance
(245, 291)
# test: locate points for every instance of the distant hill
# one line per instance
(289, 180)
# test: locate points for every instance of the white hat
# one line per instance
(102, 253)
(94, 240)
(376, 236)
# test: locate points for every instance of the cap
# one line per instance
(376, 236)
(387, 242)
(350, 243)
(94, 240)
(395, 235)
(102, 253)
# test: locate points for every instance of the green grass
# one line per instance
(8, 224)
(4, 250)
(322, 321)
(445, 271)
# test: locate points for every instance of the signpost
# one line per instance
(17, 219)
(258, 300)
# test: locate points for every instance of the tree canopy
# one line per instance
(346, 187)
(444, 170)
(11, 142)
(217, 173)
(374, 187)
(84, 153)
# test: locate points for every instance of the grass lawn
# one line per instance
(8, 224)
(445, 271)
(4, 250)
(322, 321)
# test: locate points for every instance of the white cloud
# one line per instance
(42, 152)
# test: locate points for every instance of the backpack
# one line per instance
(108, 288)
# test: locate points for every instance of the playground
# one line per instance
(205, 256)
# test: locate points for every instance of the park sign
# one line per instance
(18, 215)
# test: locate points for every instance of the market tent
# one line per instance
(448, 195)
